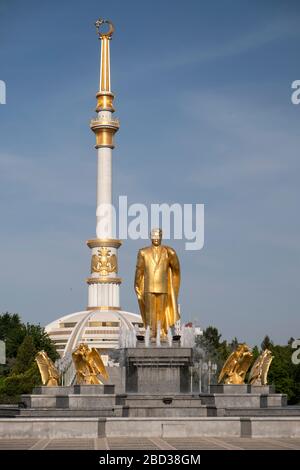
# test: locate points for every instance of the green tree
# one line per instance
(12, 331)
(255, 352)
(211, 338)
(212, 347)
(20, 374)
(14, 385)
(266, 343)
(41, 340)
(233, 345)
(25, 356)
(283, 374)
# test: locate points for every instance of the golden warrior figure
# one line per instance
(89, 365)
(48, 371)
(236, 366)
(157, 282)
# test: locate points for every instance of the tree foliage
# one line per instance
(283, 374)
(20, 373)
(41, 340)
(12, 331)
(212, 347)
(25, 356)
(14, 385)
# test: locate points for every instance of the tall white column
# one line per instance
(104, 266)
(104, 211)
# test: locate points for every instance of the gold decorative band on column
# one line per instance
(103, 280)
(108, 242)
(103, 308)
(105, 101)
(104, 130)
(105, 138)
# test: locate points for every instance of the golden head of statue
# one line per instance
(48, 371)
(236, 366)
(89, 366)
(157, 282)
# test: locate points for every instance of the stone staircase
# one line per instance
(96, 410)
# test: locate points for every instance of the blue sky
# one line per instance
(203, 95)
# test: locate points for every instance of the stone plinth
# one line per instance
(243, 400)
(158, 370)
(75, 390)
(75, 397)
(94, 389)
(171, 405)
(232, 389)
(84, 402)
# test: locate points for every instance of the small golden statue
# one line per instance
(259, 371)
(88, 365)
(157, 281)
(104, 263)
(236, 366)
(48, 371)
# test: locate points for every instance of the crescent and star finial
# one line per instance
(100, 22)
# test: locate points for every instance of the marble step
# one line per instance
(75, 390)
(68, 401)
(247, 400)
(8, 410)
(116, 411)
(164, 402)
(167, 427)
(168, 412)
(271, 411)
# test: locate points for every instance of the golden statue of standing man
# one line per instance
(157, 282)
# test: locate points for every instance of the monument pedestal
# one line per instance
(75, 397)
(158, 370)
(234, 389)
(75, 390)
(243, 397)
(157, 403)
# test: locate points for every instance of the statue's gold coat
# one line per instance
(157, 282)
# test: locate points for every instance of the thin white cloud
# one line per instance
(252, 140)
(45, 181)
(268, 33)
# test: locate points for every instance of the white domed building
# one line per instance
(99, 329)
(101, 323)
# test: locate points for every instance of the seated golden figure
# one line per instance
(236, 366)
(48, 371)
(89, 366)
(259, 371)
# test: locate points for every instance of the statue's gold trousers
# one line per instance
(155, 308)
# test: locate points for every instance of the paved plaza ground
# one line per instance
(201, 443)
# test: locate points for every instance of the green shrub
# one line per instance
(17, 384)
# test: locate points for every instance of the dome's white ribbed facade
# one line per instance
(99, 329)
